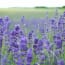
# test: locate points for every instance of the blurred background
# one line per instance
(27, 8)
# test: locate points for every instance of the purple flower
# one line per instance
(23, 44)
(1, 21)
(14, 45)
(4, 60)
(7, 24)
(63, 35)
(13, 33)
(59, 44)
(34, 46)
(1, 43)
(36, 41)
(58, 41)
(46, 43)
(29, 55)
(17, 27)
(40, 45)
(57, 52)
(19, 61)
(61, 62)
(23, 40)
(23, 53)
(30, 35)
(6, 18)
(52, 21)
(42, 58)
(28, 63)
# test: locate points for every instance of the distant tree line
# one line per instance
(47, 7)
(63, 7)
(41, 7)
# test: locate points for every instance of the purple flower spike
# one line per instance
(36, 41)
(1, 43)
(61, 62)
(23, 40)
(15, 45)
(19, 61)
(58, 41)
(1, 21)
(52, 21)
(6, 18)
(17, 27)
(46, 43)
(23, 44)
(29, 55)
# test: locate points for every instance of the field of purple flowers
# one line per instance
(38, 41)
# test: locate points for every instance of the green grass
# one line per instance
(16, 13)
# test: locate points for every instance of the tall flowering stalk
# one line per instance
(29, 56)
(23, 48)
(1, 37)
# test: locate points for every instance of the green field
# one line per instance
(16, 13)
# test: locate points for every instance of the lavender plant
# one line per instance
(28, 43)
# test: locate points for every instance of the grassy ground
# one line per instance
(16, 13)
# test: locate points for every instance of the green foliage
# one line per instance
(41, 7)
(63, 7)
